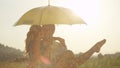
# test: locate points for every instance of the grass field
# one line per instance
(105, 62)
(12, 65)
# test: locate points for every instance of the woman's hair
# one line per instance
(34, 29)
(46, 30)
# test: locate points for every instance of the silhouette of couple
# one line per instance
(52, 52)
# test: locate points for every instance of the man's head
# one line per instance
(48, 29)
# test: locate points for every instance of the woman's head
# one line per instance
(34, 31)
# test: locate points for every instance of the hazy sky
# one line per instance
(102, 18)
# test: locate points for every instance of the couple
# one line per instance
(51, 52)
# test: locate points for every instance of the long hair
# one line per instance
(34, 29)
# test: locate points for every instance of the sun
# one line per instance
(89, 12)
(86, 9)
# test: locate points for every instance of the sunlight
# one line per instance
(86, 9)
(77, 35)
(101, 16)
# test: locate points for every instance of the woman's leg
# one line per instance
(85, 56)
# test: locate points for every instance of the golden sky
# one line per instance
(102, 18)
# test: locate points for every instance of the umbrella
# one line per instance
(49, 15)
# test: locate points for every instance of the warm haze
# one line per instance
(102, 18)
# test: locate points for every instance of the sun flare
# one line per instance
(86, 9)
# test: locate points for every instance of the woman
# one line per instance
(38, 41)
(69, 60)
(33, 43)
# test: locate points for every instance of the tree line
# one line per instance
(9, 53)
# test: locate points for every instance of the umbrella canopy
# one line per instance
(49, 15)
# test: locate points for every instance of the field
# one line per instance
(104, 62)
(12, 65)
